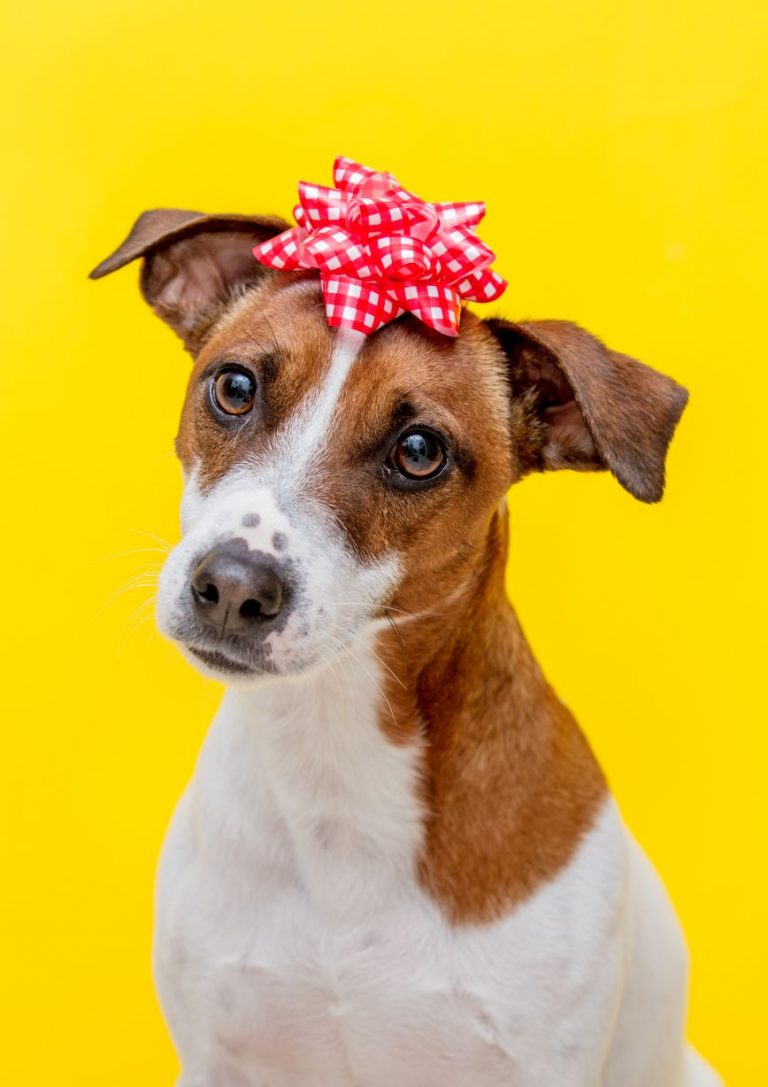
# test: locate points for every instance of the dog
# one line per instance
(398, 863)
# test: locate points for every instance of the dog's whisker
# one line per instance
(375, 682)
(399, 637)
(382, 607)
(335, 665)
(332, 660)
(139, 575)
(141, 615)
(348, 649)
(268, 323)
(353, 634)
(131, 588)
(146, 568)
(133, 551)
(465, 560)
(138, 581)
(165, 544)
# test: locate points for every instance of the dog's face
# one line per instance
(332, 480)
(327, 475)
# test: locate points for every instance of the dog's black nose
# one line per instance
(236, 590)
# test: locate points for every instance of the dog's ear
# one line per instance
(193, 263)
(588, 407)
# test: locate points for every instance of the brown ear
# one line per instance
(591, 407)
(193, 263)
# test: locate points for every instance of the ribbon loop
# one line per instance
(334, 250)
(372, 216)
(321, 205)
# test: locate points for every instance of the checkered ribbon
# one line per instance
(381, 251)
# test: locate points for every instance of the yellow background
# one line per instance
(621, 148)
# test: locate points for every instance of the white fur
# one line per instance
(295, 948)
(309, 428)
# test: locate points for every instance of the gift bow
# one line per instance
(382, 251)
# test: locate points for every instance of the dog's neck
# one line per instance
(435, 741)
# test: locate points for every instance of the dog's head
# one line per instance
(329, 476)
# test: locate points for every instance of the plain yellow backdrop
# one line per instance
(621, 148)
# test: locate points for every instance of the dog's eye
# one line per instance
(234, 392)
(418, 455)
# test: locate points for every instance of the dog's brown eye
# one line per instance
(234, 392)
(418, 455)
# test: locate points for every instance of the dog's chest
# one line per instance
(295, 947)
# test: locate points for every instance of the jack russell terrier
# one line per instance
(398, 863)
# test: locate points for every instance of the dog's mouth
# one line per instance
(214, 658)
(230, 657)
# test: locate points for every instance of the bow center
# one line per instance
(404, 257)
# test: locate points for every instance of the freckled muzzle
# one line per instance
(263, 582)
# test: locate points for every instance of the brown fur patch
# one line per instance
(510, 783)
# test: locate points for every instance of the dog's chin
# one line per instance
(225, 668)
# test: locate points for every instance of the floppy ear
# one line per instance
(588, 407)
(193, 263)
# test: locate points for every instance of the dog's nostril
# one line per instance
(210, 594)
(251, 609)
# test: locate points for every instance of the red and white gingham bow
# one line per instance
(380, 251)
